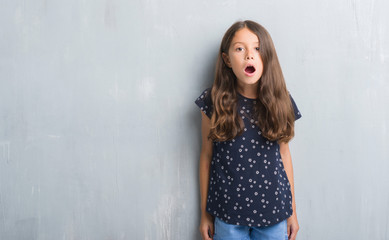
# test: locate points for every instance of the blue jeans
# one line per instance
(225, 231)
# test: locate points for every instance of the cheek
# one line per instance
(261, 68)
(260, 62)
(261, 65)
(235, 60)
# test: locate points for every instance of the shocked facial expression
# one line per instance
(244, 57)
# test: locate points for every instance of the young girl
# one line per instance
(245, 170)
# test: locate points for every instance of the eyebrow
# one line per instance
(243, 42)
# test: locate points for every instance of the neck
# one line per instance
(248, 90)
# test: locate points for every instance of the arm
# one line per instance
(293, 226)
(204, 167)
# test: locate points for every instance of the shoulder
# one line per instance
(204, 102)
(206, 93)
(297, 113)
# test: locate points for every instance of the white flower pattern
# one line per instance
(248, 184)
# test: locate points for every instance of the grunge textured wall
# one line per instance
(100, 136)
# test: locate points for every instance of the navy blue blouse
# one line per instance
(248, 184)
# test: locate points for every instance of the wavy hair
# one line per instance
(273, 109)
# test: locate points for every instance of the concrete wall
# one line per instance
(100, 136)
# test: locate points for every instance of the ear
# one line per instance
(226, 60)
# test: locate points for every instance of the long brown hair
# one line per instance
(273, 107)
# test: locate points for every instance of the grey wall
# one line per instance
(100, 136)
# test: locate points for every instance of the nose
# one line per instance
(249, 55)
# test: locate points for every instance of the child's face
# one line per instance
(244, 58)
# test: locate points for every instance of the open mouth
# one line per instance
(249, 69)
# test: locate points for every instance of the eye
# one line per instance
(239, 49)
(257, 48)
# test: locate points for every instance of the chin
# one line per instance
(252, 82)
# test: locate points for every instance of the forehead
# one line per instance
(244, 35)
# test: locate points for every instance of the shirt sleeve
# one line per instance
(297, 113)
(204, 102)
